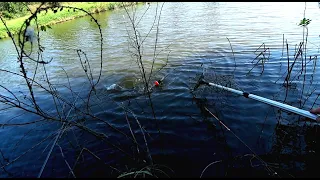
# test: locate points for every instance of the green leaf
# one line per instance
(304, 22)
(43, 28)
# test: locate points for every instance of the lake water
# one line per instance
(196, 36)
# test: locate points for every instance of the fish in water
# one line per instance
(128, 85)
(114, 87)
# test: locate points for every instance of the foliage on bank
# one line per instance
(51, 17)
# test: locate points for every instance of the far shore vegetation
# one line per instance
(15, 13)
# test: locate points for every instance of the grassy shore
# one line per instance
(50, 18)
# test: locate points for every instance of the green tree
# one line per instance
(13, 9)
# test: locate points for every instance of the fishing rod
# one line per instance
(264, 100)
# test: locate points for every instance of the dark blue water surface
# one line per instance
(254, 139)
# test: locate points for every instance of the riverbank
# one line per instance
(51, 18)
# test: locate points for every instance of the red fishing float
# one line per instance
(156, 83)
